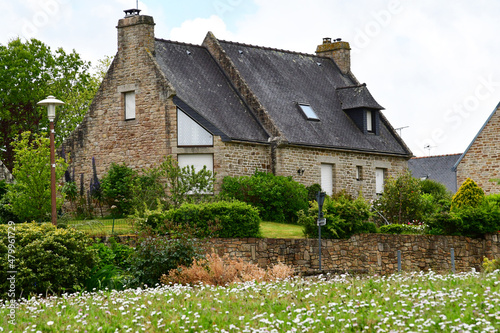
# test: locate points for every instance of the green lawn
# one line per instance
(281, 230)
(98, 227)
(124, 226)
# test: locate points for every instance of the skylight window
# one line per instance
(309, 112)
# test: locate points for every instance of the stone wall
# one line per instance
(366, 253)
(344, 164)
(481, 162)
(371, 253)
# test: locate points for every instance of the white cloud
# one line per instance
(194, 31)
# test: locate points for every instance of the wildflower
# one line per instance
(50, 323)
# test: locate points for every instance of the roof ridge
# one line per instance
(179, 43)
(354, 86)
(271, 48)
(419, 157)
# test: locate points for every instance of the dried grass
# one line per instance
(217, 271)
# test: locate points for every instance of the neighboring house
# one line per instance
(5, 173)
(237, 108)
(438, 168)
(481, 160)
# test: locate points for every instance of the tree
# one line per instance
(29, 72)
(30, 196)
(468, 195)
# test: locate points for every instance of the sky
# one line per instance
(430, 64)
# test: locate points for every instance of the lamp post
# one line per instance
(51, 103)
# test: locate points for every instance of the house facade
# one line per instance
(237, 108)
(481, 160)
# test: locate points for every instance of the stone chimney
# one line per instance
(135, 31)
(339, 51)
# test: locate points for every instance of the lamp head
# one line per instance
(51, 103)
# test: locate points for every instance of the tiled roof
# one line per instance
(438, 168)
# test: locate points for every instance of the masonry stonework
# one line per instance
(364, 253)
(481, 162)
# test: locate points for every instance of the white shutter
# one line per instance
(327, 178)
(196, 160)
(379, 180)
(130, 105)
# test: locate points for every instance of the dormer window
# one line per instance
(369, 121)
(308, 111)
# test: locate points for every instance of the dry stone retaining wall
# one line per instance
(370, 253)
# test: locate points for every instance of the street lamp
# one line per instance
(51, 103)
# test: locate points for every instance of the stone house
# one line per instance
(481, 160)
(237, 108)
(5, 173)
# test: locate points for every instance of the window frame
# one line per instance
(126, 111)
(303, 107)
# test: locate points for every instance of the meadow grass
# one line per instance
(415, 302)
(280, 230)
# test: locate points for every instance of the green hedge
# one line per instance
(46, 259)
(278, 198)
(235, 219)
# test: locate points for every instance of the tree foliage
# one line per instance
(29, 72)
(30, 196)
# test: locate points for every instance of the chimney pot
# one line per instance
(132, 12)
(327, 40)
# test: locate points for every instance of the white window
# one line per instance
(379, 180)
(369, 121)
(190, 133)
(309, 112)
(327, 178)
(129, 100)
(196, 160)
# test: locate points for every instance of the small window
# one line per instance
(129, 101)
(327, 178)
(369, 121)
(359, 172)
(308, 112)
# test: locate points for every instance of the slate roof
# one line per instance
(280, 80)
(204, 93)
(439, 168)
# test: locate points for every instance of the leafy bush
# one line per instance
(467, 221)
(155, 256)
(436, 189)
(233, 218)
(312, 191)
(401, 201)
(490, 265)
(468, 195)
(117, 188)
(416, 229)
(278, 198)
(216, 271)
(392, 229)
(47, 259)
(344, 215)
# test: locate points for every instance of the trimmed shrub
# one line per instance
(436, 189)
(468, 195)
(403, 229)
(467, 221)
(392, 229)
(233, 219)
(312, 191)
(278, 198)
(344, 215)
(47, 259)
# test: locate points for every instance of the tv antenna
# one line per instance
(400, 129)
(429, 147)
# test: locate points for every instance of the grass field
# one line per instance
(417, 302)
(281, 230)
